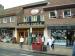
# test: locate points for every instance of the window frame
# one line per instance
(64, 16)
(4, 20)
(33, 18)
(11, 19)
(55, 11)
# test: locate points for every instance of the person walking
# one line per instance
(73, 49)
(21, 41)
(50, 43)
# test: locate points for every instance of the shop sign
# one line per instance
(34, 11)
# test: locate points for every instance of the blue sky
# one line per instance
(14, 3)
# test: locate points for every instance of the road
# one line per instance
(20, 52)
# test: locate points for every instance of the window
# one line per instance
(67, 13)
(25, 19)
(34, 18)
(42, 18)
(12, 19)
(38, 18)
(4, 20)
(53, 14)
(0, 20)
(29, 19)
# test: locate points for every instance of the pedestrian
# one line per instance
(21, 41)
(53, 40)
(50, 43)
(73, 52)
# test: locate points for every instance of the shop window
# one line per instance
(53, 14)
(67, 13)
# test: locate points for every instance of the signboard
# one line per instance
(34, 11)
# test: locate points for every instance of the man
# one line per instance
(50, 42)
(21, 41)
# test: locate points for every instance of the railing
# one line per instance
(32, 23)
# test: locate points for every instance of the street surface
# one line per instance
(20, 52)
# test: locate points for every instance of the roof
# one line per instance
(18, 9)
(11, 11)
(35, 4)
(59, 4)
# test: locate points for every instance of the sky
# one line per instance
(13, 3)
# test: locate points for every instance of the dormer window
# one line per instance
(67, 13)
(53, 14)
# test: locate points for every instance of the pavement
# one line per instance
(61, 50)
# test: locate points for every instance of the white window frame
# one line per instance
(33, 18)
(4, 20)
(55, 11)
(0, 20)
(25, 19)
(12, 19)
(67, 15)
(42, 18)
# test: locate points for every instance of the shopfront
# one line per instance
(63, 34)
(29, 36)
(6, 34)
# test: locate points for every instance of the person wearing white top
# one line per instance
(50, 43)
(21, 41)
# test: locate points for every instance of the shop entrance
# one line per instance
(70, 37)
(24, 34)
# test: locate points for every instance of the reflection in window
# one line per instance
(67, 13)
(4, 20)
(12, 19)
(53, 14)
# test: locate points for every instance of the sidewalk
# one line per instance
(58, 49)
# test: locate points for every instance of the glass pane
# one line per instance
(52, 13)
(67, 13)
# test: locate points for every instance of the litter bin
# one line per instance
(44, 48)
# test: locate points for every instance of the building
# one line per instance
(49, 17)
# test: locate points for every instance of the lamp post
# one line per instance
(30, 36)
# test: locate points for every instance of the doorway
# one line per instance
(24, 34)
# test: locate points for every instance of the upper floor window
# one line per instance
(42, 18)
(53, 14)
(12, 19)
(26, 19)
(34, 18)
(38, 18)
(67, 13)
(0, 20)
(4, 20)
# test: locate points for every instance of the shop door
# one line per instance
(24, 34)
